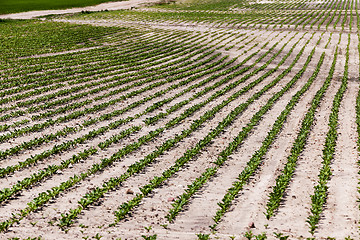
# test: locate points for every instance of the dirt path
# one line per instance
(101, 7)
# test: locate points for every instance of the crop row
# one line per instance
(318, 15)
(210, 172)
(318, 199)
(125, 59)
(283, 180)
(191, 153)
(138, 166)
(95, 108)
(47, 138)
(102, 88)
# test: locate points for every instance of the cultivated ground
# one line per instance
(190, 120)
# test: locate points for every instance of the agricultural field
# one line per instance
(193, 119)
